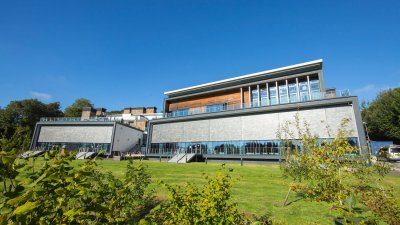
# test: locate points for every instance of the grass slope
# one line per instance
(259, 188)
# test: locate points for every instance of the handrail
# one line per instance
(234, 105)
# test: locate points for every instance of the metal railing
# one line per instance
(79, 119)
(234, 105)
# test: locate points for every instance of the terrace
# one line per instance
(259, 99)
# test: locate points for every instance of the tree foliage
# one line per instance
(18, 120)
(382, 116)
(332, 171)
(75, 110)
(60, 194)
(25, 113)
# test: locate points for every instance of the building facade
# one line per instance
(240, 117)
(85, 136)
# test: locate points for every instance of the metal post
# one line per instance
(241, 161)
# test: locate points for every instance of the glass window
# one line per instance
(283, 97)
(254, 97)
(303, 89)
(293, 92)
(272, 95)
(263, 94)
(181, 112)
(216, 107)
(315, 90)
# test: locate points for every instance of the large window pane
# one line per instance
(315, 89)
(283, 97)
(181, 112)
(263, 94)
(304, 95)
(272, 95)
(293, 92)
(216, 107)
(254, 97)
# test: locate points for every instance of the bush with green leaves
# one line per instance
(60, 194)
(333, 171)
(210, 204)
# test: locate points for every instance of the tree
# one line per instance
(332, 171)
(25, 113)
(382, 116)
(75, 110)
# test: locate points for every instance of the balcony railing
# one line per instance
(79, 119)
(228, 106)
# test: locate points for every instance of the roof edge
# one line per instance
(246, 76)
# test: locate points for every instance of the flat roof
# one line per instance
(266, 72)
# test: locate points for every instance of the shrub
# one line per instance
(61, 194)
(210, 204)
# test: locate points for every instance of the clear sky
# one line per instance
(127, 53)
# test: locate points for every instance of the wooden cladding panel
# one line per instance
(232, 97)
(246, 95)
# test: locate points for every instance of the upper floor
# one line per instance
(291, 84)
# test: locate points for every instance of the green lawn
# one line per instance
(260, 188)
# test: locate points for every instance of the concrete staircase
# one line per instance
(84, 155)
(176, 158)
(182, 158)
(31, 153)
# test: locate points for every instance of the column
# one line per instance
(250, 96)
(309, 88)
(267, 88)
(287, 90)
(298, 91)
(277, 92)
(241, 98)
(258, 95)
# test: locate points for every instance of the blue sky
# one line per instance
(127, 53)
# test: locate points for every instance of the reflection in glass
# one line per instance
(293, 92)
(272, 95)
(283, 97)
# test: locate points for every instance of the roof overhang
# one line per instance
(297, 68)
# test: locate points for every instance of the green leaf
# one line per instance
(351, 201)
(25, 208)
(47, 156)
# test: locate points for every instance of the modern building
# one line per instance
(238, 118)
(96, 130)
(85, 136)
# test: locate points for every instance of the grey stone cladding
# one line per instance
(76, 134)
(255, 127)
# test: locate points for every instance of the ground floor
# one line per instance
(253, 133)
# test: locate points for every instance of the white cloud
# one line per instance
(41, 96)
